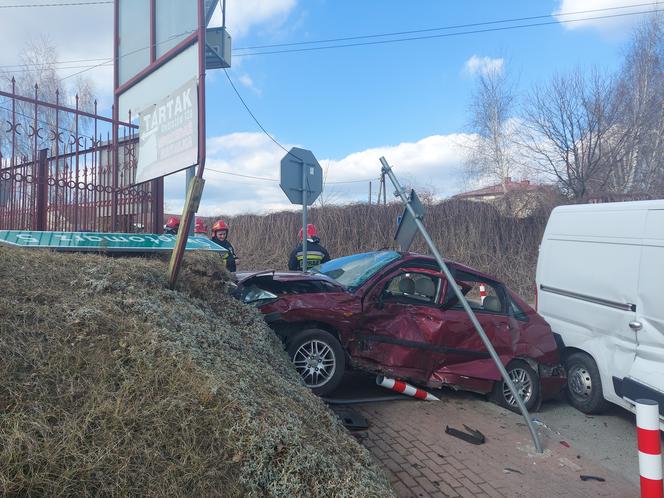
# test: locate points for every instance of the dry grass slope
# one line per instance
(112, 384)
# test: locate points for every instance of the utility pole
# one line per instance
(369, 192)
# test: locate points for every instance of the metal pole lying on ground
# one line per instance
(462, 299)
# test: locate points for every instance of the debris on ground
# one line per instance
(405, 388)
(472, 436)
(113, 384)
(352, 420)
(592, 478)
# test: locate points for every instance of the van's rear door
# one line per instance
(647, 372)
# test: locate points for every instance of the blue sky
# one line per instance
(407, 101)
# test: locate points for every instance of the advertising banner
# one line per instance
(168, 134)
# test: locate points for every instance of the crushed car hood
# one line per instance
(289, 281)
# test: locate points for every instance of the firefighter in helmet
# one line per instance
(200, 229)
(316, 253)
(172, 225)
(220, 236)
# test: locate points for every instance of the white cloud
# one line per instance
(484, 65)
(246, 81)
(433, 164)
(613, 25)
(242, 16)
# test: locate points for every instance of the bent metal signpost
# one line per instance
(104, 242)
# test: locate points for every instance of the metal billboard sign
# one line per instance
(168, 134)
(106, 242)
(407, 229)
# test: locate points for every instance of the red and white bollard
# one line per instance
(404, 388)
(482, 292)
(650, 451)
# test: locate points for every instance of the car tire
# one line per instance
(526, 382)
(318, 359)
(584, 384)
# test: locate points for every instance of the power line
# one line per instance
(37, 64)
(61, 4)
(243, 176)
(26, 70)
(170, 38)
(444, 28)
(398, 40)
(447, 35)
(252, 114)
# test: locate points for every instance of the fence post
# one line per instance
(650, 451)
(42, 191)
(158, 205)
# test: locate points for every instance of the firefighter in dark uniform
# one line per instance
(220, 236)
(316, 253)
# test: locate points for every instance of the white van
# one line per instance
(600, 285)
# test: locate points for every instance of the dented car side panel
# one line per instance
(424, 343)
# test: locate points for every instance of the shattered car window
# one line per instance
(353, 271)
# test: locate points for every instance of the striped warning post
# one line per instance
(650, 451)
(404, 388)
(482, 292)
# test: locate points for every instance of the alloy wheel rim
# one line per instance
(314, 360)
(523, 384)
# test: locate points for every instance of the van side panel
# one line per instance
(649, 364)
(587, 280)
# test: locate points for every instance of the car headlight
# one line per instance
(255, 294)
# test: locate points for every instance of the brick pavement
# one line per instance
(408, 439)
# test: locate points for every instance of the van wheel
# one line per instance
(319, 360)
(584, 386)
(527, 384)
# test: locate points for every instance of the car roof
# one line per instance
(412, 256)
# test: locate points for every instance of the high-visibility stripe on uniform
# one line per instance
(313, 258)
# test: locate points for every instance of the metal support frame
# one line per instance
(191, 206)
(400, 192)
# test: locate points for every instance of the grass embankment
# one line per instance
(112, 384)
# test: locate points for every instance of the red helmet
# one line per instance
(200, 227)
(219, 225)
(172, 222)
(311, 231)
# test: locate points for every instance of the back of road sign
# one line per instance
(295, 181)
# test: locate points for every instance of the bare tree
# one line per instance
(491, 154)
(38, 76)
(641, 99)
(570, 131)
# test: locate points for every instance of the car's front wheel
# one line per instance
(527, 383)
(318, 359)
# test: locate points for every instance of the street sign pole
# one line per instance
(304, 216)
(302, 182)
(387, 170)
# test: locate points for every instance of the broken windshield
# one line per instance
(353, 271)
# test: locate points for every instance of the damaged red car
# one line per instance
(395, 314)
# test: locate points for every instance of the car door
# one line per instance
(401, 321)
(465, 356)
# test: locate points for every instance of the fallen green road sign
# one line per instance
(105, 242)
